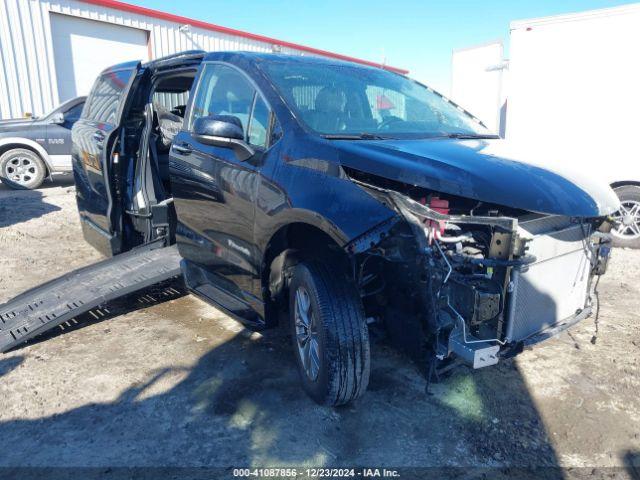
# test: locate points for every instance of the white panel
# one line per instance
(12, 58)
(575, 90)
(83, 48)
(46, 81)
(5, 107)
(51, 63)
(33, 96)
(476, 79)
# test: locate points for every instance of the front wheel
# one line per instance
(329, 334)
(22, 169)
(626, 228)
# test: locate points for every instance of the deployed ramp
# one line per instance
(47, 306)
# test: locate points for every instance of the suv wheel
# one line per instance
(329, 334)
(22, 169)
(626, 228)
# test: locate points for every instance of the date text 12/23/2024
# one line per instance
(315, 473)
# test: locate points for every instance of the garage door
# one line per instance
(83, 48)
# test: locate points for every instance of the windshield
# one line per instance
(63, 107)
(342, 100)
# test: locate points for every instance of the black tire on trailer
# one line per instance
(22, 169)
(327, 317)
(626, 230)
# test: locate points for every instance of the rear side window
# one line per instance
(171, 100)
(106, 95)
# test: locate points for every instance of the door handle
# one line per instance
(184, 149)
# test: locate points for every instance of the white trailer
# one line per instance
(571, 89)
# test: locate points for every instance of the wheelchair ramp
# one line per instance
(60, 300)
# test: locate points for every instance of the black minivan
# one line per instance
(344, 198)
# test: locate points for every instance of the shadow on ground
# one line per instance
(8, 364)
(17, 206)
(64, 180)
(241, 405)
(632, 461)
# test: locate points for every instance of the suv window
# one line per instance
(172, 101)
(105, 97)
(73, 114)
(259, 123)
(223, 90)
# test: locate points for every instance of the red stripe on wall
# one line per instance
(127, 7)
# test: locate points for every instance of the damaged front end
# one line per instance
(452, 277)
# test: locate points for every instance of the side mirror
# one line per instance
(57, 118)
(223, 131)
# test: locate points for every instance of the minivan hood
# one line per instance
(486, 170)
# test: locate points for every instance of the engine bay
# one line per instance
(451, 277)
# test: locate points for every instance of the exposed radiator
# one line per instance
(554, 288)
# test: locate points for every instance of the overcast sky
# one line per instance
(417, 35)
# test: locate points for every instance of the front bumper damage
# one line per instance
(483, 286)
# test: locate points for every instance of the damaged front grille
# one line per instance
(478, 283)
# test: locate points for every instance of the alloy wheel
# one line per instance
(21, 170)
(306, 324)
(627, 220)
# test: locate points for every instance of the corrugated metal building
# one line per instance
(52, 50)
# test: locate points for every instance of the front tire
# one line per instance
(329, 334)
(22, 169)
(626, 228)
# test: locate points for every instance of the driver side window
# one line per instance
(222, 90)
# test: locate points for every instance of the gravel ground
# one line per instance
(180, 384)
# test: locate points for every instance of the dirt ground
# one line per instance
(180, 384)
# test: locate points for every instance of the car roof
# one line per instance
(284, 58)
(191, 56)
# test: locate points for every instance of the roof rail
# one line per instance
(176, 57)
(184, 53)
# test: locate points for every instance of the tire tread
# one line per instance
(346, 334)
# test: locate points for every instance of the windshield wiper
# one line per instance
(357, 136)
(464, 136)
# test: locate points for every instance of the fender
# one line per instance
(307, 217)
(334, 205)
(32, 145)
(306, 184)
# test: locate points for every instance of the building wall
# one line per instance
(28, 80)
